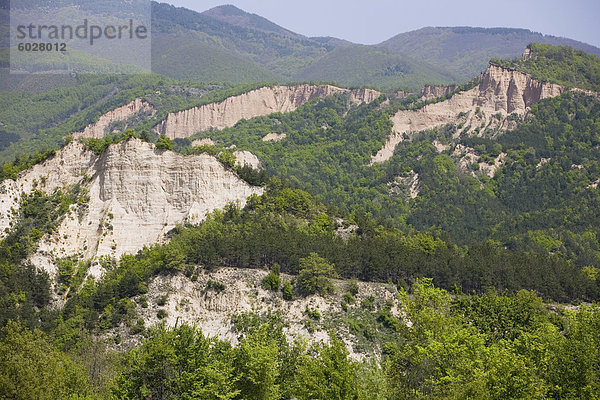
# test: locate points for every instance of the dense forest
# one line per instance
(481, 347)
(541, 200)
(497, 276)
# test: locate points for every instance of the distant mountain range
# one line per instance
(226, 44)
(464, 51)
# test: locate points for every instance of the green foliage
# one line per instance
(352, 287)
(360, 65)
(330, 375)
(445, 357)
(314, 276)
(288, 291)
(10, 170)
(463, 52)
(30, 368)
(214, 285)
(164, 143)
(227, 159)
(272, 281)
(559, 64)
(23, 290)
(178, 363)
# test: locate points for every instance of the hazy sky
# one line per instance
(374, 21)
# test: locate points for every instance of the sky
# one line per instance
(373, 21)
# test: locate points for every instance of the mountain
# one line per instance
(234, 16)
(255, 46)
(446, 266)
(227, 44)
(464, 51)
(358, 65)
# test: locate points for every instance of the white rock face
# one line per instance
(202, 142)
(263, 101)
(137, 194)
(434, 91)
(274, 137)
(243, 157)
(501, 91)
(98, 129)
(212, 311)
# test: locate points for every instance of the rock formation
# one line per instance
(434, 91)
(137, 194)
(263, 101)
(501, 92)
(274, 137)
(98, 129)
(243, 157)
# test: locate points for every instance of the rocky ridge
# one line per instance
(137, 193)
(263, 101)
(213, 311)
(501, 92)
(98, 129)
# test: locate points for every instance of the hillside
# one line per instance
(269, 241)
(354, 65)
(227, 44)
(558, 64)
(464, 52)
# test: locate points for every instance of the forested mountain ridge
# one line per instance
(465, 241)
(465, 51)
(226, 44)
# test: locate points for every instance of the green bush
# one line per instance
(288, 292)
(272, 281)
(214, 285)
(164, 143)
(315, 275)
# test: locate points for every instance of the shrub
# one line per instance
(271, 282)
(164, 143)
(288, 292)
(352, 287)
(214, 285)
(314, 276)
(162, 300)
(312, 313)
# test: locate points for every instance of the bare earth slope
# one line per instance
(263, 101)
(137, 194)
(98, 129)
(500, 92)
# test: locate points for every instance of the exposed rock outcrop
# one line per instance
(274, 137)
(263, 101)
(137, 194)
(435, 91)
(501, 92)
(212, 311)
(98, 129)
(243, 157)
(203, 142)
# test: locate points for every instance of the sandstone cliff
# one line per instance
(98, 129)
(500, 92)
(137, 194)
(255, 103)
(434, 91)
